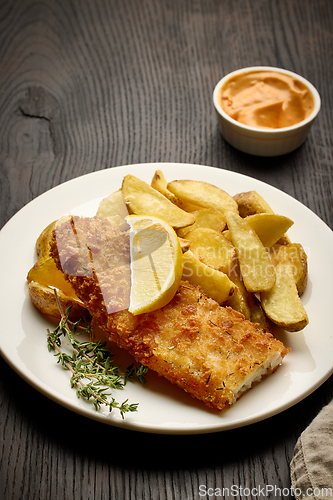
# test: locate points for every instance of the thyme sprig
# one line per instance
(91, 365)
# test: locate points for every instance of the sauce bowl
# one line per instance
(264, 141)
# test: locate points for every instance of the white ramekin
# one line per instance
(265, 142)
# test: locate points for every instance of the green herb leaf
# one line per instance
(91, 364)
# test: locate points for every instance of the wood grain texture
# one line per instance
(86, 85)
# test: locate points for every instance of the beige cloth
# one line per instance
(311, 468)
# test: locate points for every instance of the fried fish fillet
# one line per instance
(210, 351)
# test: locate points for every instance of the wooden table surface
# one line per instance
(89, 85)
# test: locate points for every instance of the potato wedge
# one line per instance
(269, 227)
(46, 273)
(114, 208)
(238, 300)
(142, 199)
(282, 304)
(213, 283)
(246, 302)
(160, 184)
(296, 256)
(44, 300)
(257, 314)
(255, 264)
(206, 217)
(250, 203)
(43, 240)
(212, 248)
(203, 194)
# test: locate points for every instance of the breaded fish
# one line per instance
(210, 351)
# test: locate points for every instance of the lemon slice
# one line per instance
(156, 263)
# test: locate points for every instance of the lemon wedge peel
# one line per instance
(156, 263)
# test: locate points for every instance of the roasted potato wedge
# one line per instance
(257, 269)
(239, 299)
(212, 248)
(296, 256)
(282, 304)
(246, 302)
(206, 217)
(43, 240)
(46, 273)
(44, 300)
(42, 278)
(142, 199)
(257, 314)
(250, 203)
(203, 194)
(215, 284)
(114, 208)
(269, 227)
(160, 184)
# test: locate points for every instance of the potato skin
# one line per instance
(43, 240)
(44, 276)
(250, 203)
(282, 304)
(295, 254)
(45, 272)
(43, 299)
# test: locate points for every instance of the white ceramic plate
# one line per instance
(163, 408)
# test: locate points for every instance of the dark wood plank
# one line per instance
(80, 84)
(90, 85)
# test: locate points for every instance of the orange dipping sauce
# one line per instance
(266, 99)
